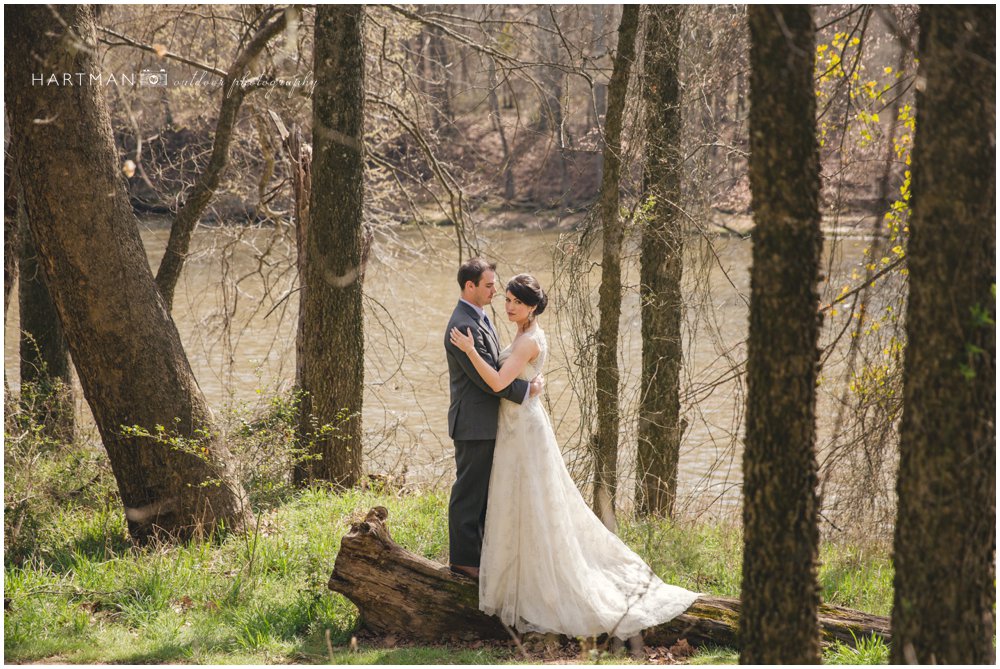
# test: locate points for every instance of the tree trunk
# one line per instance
(780, 592)
(599, 49)
(126, 348)
(497, 117)
(551, 77)
(661, 266)
(599, 106)
(46, 377)
(399, 592)
(207, 183)
(439, 83)
(885, 195)
(736, 136)
(301, 163)
(945, 546)
(11, 232)
(605, 443)
(331, 327)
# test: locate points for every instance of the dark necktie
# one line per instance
(489, 325)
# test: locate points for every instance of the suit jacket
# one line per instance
(472, 414)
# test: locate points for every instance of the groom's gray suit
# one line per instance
(472, 424)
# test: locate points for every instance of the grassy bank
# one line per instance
(86, 595)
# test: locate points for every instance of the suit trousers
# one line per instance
(467, 508)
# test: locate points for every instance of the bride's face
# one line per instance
(517, 311)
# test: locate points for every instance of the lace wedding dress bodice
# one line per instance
(534, 367)
(548, 563)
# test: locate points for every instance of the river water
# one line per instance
(236, 311)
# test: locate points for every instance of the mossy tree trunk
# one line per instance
(605, 441)
(661, 267)
(126, 348)
(945, 546)
(780, 593)
(331, 327)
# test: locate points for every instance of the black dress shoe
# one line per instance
(468, 572)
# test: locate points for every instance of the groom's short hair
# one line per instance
(472, 270)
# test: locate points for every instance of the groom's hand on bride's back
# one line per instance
(537, 385)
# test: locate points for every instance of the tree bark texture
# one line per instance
(45, 364)
(207, 183)
(605, 442)
(945, 545)
(126, 348)
(300, 155)
(399, 592)
(780, 591)
(331, 324)
(661, 261)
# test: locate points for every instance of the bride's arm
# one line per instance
(524, 350)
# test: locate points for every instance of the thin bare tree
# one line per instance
(235, 87)
(605, 440)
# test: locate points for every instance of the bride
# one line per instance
(548, 563)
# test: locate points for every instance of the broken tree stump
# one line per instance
(399, 592)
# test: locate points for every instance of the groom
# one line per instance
(472, 415)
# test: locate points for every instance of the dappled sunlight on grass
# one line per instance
(260, 597)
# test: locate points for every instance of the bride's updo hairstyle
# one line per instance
(525, 288)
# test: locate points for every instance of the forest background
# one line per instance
(485, 131)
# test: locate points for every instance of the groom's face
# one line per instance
(487, 288)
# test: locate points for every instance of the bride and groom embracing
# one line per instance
(544, 561)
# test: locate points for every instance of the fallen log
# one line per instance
(401, 593)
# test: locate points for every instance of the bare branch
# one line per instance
(159, 51)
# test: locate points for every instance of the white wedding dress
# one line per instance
(548, 563)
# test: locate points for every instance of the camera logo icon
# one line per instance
(148, 77)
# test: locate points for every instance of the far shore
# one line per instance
(525, 216)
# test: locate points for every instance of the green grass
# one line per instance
(866, 651)
(86, 595)
(715, 655)
(709, 559)
(701, 558)
(856, 577)
(235, 601)
(420, 655)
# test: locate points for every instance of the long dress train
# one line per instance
(548, 563)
